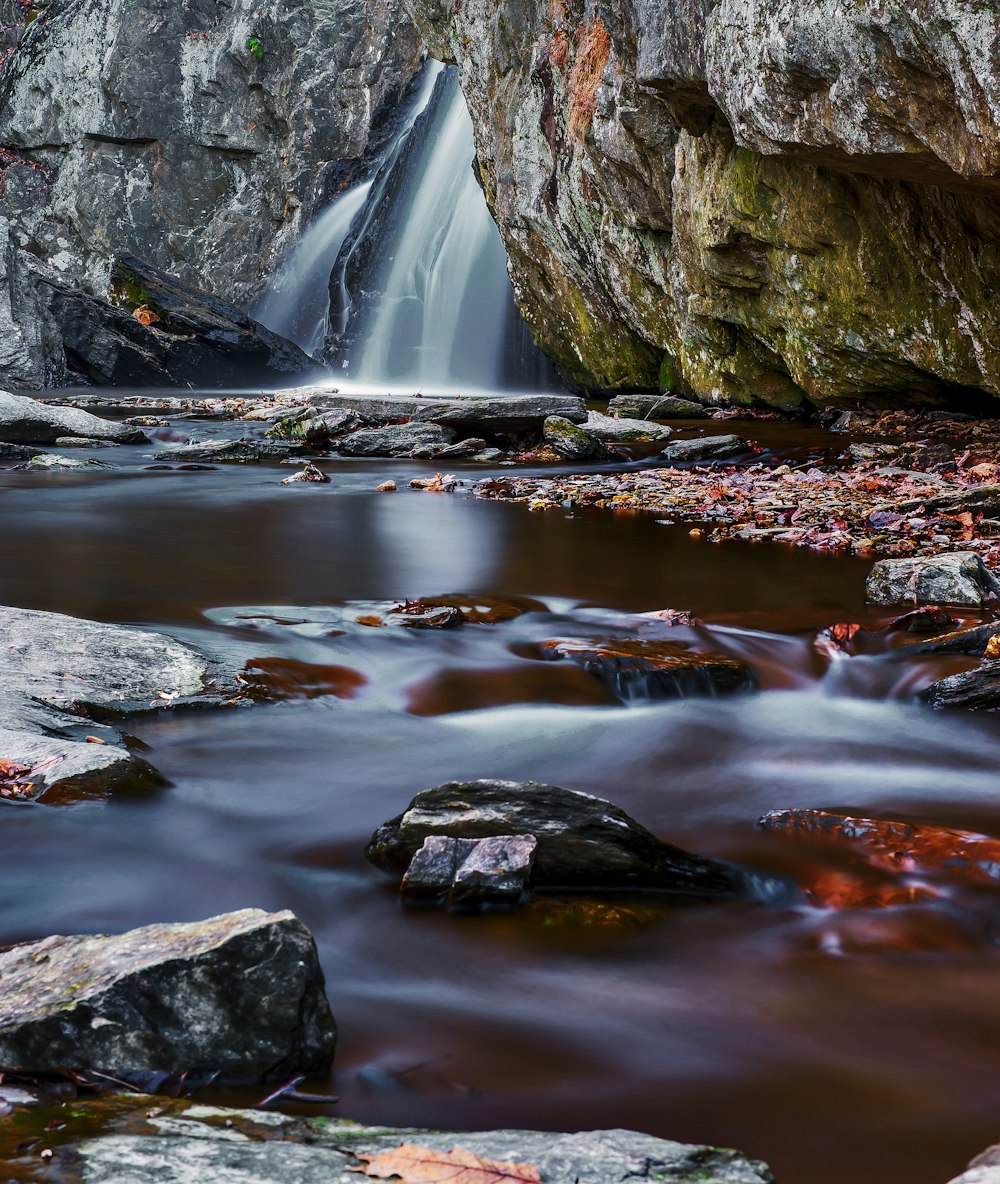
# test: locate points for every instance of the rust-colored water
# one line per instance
(858, 1047)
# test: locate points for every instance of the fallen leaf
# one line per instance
(95, 740)
(414, 1164)
(145, 315)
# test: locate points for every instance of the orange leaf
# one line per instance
(414, 1164)
(145, 315)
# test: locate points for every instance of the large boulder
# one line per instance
(582, 841)
(704, 448)
(396, 440)
(26, 421)
(959, 578)
(573, 442)
(240, 994)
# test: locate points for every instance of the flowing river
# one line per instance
(855, 1046)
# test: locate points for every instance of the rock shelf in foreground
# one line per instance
(242, 994)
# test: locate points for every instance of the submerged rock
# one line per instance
(641, 668)
(583, 841)
(959, 578)
(470, 873)
(395, 440)
(52, 768)
(655, 407)
(163, 1139)
(241, 994)
(26, 421)
(573, 442)
(704, 448)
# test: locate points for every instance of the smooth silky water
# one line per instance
(857, 1047)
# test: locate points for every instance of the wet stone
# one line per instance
(47, 460)
(583, 841)
(704, 448)
(655, 407)
(977, 689)
(396, 440)
(237, 451)
(622, 431)
(959, 578)
(470, 874)
(637, 668)
(573, 442)
(26, 421)
(240, 994)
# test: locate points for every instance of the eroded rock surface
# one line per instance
(241, 994)
(749, 200)
(26, 421)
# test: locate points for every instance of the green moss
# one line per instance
(668, 379)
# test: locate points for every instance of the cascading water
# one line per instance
(298, 304)
(415, 267)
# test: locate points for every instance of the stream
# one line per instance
(856, 1046)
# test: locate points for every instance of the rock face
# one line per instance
(198, 138)
(582, 840)
(753, 201)
(959, 578)
(978, 688)
(242, 994)
(176, 1141)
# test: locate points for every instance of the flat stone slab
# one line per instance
(71, 663)
(582, 841)
(960, 578)
(241, 994)
(395, 440)
(176, 1142)
(704, 448)
(26, 421)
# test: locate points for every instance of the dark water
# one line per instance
(856, 1047)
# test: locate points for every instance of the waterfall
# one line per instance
(401, 283)
(297, 305)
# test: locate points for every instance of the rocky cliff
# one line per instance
(757, 201)
(196, 137)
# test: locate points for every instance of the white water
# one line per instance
(433, 310)
(441, 316)
(297, 305)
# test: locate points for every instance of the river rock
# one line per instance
(655, 407)
(395, 440)
(471, 873)
(959, 578)
(78, 665)
(704, 448)
(315, 427)
(638, 668)
(177, 1141)
(510, 413)
(54, 769)
(978, 688)
(242, 994)
(236, 451)
(26, 421)
(607, 427)
(47, 460)
(573, 442)
(984, 1169)
(583, 841)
